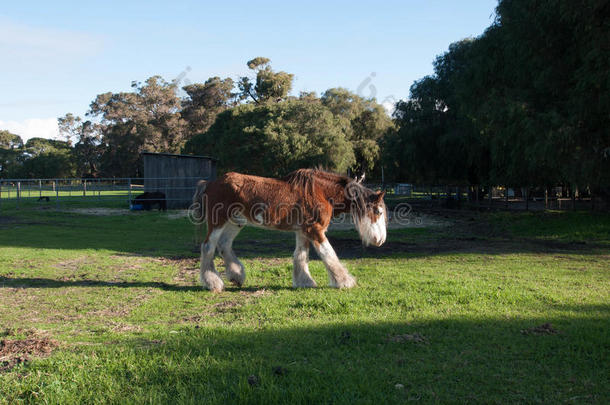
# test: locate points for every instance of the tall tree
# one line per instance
(11, 154)
(268, 84)
(205, 101)
(86, 138)
(47, 158)
(147, 119)
(368, 123)
(275, 138)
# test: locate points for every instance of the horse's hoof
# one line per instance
(213, 283)
(346, 282)
(305, 284)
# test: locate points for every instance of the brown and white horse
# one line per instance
(303, 202)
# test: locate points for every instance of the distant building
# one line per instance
(403, 189)
(176, 175)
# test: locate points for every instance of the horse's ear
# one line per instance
(380, 195)
(360, 179)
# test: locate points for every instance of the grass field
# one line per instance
(493, 308)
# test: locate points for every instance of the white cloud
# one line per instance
(32, 128)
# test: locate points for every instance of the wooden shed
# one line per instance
(176, 175)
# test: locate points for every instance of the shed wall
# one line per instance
(176, 176)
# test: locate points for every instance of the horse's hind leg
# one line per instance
(301, 277)
(208, 275)
(234, 268)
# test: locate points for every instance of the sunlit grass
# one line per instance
(120, 296)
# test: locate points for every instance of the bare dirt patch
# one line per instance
(344, 222)
(188, 268)
(178, 214)
(17, 351)
(256, 293)
(71, 264)
(100, 211)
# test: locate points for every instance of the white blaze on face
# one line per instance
(372, 233)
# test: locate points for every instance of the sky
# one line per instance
(57, 56)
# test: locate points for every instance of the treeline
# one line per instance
(251, 125)
(525, 104)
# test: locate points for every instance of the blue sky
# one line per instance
(57, 56)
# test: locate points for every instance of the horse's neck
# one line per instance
(336, 195)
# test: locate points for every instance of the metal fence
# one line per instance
(497, 198)
(118, 192)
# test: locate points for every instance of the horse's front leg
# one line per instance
(301, 278)
(338, 274)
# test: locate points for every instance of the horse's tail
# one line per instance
(198, 213)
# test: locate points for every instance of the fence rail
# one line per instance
(497, 198)
(121, 191)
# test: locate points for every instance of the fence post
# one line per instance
(573, 192)
(129, 192)
(1, 195)
(39, 188)
(489, 196)
(56, 187)
(546, 197)
(84, 188)
(527, 198)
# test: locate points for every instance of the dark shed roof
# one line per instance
(178, 155)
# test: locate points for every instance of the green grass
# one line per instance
(440, 311)
(558, 225)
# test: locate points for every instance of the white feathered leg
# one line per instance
(234, 268)
(301, 278)
(338, 274)
(208, 275)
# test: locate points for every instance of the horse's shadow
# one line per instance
(39, 282)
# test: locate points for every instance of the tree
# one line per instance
(147, 119)
(368, 123)
(86, 138)
(47, 158)
(205, 101)
(525, 103)
(275, 138)
(11, 151)
(268, 85)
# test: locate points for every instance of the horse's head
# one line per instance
(369, 213)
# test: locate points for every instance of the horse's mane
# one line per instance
(303, 177)
(308, 180)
